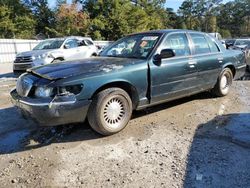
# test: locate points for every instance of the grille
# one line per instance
(23, 86)
(24, 59)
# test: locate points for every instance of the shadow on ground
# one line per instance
(220, 153)
(23, 135)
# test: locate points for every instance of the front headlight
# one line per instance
(42, 56)
(43, 92)
(74, 89)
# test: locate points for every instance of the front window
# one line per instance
(178, 42)
(49, 44)
(133, 46)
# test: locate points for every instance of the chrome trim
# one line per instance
(240, 67)
(46, 103)
(33, 104)
(22, 63)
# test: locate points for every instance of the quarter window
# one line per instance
(213, 46)
(179, 43)
(89, 42)
(200, 43)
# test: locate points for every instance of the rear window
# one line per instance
(201, 45)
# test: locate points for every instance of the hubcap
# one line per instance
(224, 82)
(114, 112)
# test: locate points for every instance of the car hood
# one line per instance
(34, 53)
(86, 67)
(240, 46)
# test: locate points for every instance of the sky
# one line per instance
(175, 4)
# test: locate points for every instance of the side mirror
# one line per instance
(66, 46)
(165, 53)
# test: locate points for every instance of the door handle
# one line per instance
(220, 60)
(192, 62)
(191, 66)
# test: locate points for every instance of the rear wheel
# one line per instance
(224, 83)
(110, 111)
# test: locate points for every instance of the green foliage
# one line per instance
(225, 33)
(71, 21)
(44, 17)
(7, 27)
(112, 19)
(17, 27)
(25, 27)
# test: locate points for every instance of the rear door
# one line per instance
(176, 76)
(208, 59)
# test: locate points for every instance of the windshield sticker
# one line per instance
(150, 38)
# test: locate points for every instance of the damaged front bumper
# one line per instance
(50, 112)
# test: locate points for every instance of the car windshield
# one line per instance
(133, 46)
(49, 44)
(242, 42)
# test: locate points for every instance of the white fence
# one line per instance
(10, 47)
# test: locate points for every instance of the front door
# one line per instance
(174, 77)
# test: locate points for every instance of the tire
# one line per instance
(248, 68)
(224, 83)
(110, 111)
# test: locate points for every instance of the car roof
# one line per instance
(248, 39)
(70, 37)
(163, 31)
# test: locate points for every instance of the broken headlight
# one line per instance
(43, 92)
(75, 89)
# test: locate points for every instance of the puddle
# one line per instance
(13, 140)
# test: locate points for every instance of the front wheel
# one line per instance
(110, 111)
(224, 83)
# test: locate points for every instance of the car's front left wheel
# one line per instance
(110, 111)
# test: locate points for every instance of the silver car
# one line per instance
(243, 45)
(55, 50)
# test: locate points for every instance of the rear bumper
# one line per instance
(47, 113)
(240, 71)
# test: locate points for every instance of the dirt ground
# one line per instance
(198, 141)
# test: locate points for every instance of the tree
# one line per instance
(212, 24)
(25, 27)
(199, 14)
(7, 27)
(112, 19)
(44, 17)
(233, 16)
(71, 21)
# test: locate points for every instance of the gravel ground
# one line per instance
(199, 141)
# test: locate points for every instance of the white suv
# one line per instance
(55, 50)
